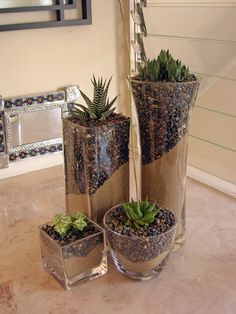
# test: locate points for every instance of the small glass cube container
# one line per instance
(71, 264)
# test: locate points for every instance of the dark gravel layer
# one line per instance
(163, 112)
(93, 152)
(72, 235)
(111, 120)
(164, 220)
(191, 78)
(90, 236)
(144, 244)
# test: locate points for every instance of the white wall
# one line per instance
(40, 60)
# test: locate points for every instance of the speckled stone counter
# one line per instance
(199, 278)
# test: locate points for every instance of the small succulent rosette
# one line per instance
(73, 249)
(140, 236)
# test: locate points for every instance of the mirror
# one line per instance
(32, 127)
(4, 4)
(28, 14)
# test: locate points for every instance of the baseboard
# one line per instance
(213, 181)
(31, 164)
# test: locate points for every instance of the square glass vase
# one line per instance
(96, 162)
(82, 260)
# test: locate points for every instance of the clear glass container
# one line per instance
(139, 258)
(96, 166)
(82, 260)
(163, 110)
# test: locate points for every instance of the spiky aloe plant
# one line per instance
(165, 68)
(140, 214)
(62, 223)
(98, 109)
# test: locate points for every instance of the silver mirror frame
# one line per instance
(3, 154)
(31, 103)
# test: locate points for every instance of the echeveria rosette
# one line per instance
(140, 214)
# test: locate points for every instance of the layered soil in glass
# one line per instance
(73, 255)
(163, 110)
(96, 164)
(72, 236)
(140, 250)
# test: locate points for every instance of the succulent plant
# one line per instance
(140, 214)
(62, 223)
(78, 221)
(165, 68)
(98, 109)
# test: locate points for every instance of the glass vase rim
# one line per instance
(137, 237)
(94, 126)
(132, 79)
(77, 241)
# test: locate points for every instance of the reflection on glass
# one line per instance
(34, 127)
(4, 4)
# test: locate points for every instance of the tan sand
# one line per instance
(112, 192)
(164, 180)
(142, 266)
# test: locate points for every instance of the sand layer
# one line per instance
(164, 180)
(112, 192)
(143, 266)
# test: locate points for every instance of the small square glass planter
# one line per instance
(138, 257)
(81, 260)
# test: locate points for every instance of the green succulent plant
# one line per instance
(98, 109)
(140, 214)
(78, 221)
(62, 223)
(165, 68)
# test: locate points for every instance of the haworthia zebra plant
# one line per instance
(165, 68)
(98, 109)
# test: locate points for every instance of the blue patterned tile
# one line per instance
(8, 103)
(18, 102)
(59, 147)
(13, 156)
(23, 154)
(50, 98)
(43, 151)
(59, 96)
(40, 99)
(29, 100)
(33, 152)
(52, 149)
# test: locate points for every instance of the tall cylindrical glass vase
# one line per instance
(163, 110)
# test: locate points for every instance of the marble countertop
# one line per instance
(199, 278)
